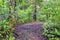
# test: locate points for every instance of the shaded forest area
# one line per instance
(26, 16)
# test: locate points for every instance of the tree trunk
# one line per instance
(35, 10)
(15, 19)
(10, 15)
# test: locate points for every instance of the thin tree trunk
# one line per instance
(3, 6)
(10, 15)
(15, 19)
(35, 10)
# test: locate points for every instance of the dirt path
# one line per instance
(29, 31)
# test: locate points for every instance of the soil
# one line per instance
(29, 31)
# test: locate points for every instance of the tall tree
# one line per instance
(10, 14)
(3, 6)
(35, 10)
(14, 5)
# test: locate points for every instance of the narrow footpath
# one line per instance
(29, 31)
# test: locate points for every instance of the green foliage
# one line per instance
(5, 33)
(48, 11)
(52, 30)
(4, 28)
(52, 25)
(25, 14)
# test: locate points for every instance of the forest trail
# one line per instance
(29, 31)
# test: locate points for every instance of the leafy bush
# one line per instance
(5, 33)
(52, 30)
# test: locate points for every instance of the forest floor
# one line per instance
(29, 31)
